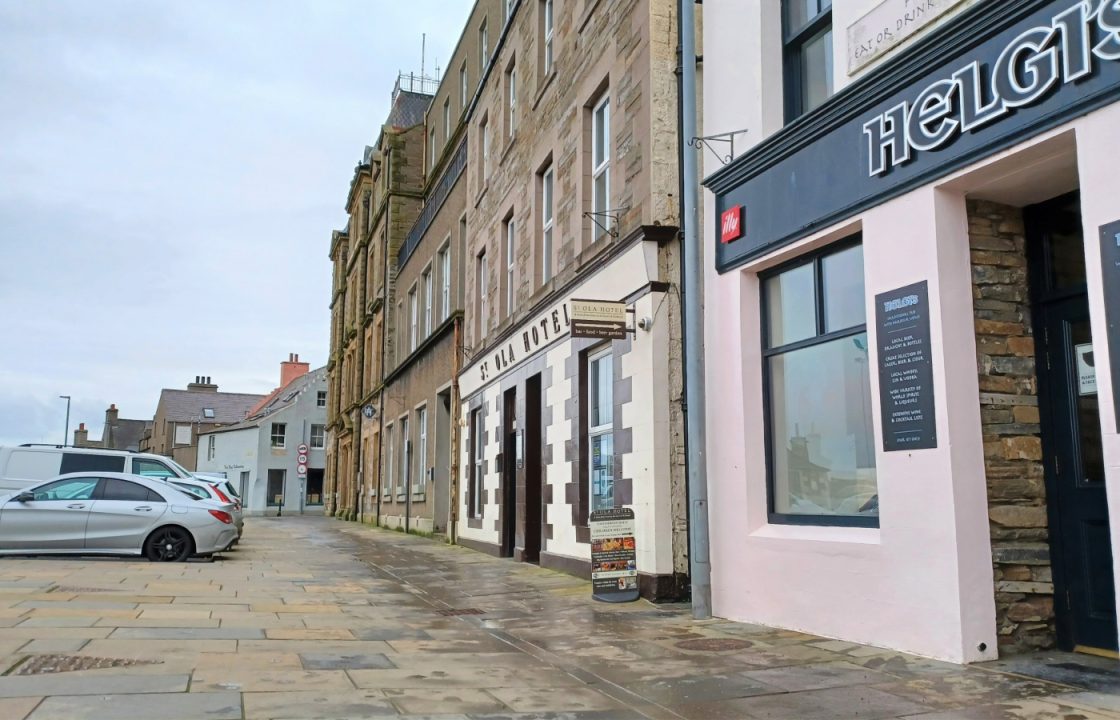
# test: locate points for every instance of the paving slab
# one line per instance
(316, 704)
(101, 684)
(182, 706)
(18, 708)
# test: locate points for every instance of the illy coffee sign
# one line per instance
(1037, 61)
(731, 224)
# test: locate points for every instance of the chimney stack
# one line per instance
(292, 368)
(202, 384)
(81, 435)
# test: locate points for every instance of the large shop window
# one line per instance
(818, 392)
(600, 429)
(807, 42)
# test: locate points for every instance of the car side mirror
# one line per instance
(25, 496)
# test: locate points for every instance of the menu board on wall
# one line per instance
(1110, 270)
(905, 368)
(614, 557)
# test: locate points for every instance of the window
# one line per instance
(123, 490)
(427, 283)
(483, 303)
(818, 392)
(463, 87)
(600, 164)
(275, 490)
(432, 148)
(546, 18)
(483, 48)
(244, 482)
(474, 488)
(88, 462)
(484, 130)
(151, 468)
(318, 436)
(547, 179)
(422, 449)
(510, 232)
(600, 428)
(208, 413)
(210, 442)
(321, 399)
(69, 489)
(406, 457)
(807, 41)
(446, 119)
(445, 281)
(278, 432)
(192, 490)
(509, 8)
(413, 319)
(390, 467)
(511, 101)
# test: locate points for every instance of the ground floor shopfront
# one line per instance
(915, 443)
(555, 428)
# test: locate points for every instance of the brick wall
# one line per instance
(1024, 589)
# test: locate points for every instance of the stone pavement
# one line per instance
(316, 618)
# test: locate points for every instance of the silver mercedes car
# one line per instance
(108, 513)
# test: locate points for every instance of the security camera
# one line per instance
(645, 323)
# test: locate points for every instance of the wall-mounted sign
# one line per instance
(731, 224)
(614, 556)
(995, 76)
(599, 319)
(302, 449)
(1086, 369)
(888, 25)
(905, 369)
(1110, 271)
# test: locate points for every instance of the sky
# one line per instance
(170, 173)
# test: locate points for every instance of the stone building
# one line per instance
(572, 192)
(116, 434)
(913, 287)
(182, 414)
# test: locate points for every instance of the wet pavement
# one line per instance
(316, 618)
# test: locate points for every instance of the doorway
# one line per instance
(533, 509)
(508, 510)
(1077, 506)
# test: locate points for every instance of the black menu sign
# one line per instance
(905, 368)
(1110, 269)
(614, 556)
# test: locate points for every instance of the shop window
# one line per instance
(600, 429)
(821, 447)
(275, 492)
(807, 43)
(474, 488)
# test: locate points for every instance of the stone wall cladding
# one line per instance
(1013, 460)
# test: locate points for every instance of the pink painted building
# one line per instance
(912, 314)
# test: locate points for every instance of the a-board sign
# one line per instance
(1110, 275)
(905, 368)
(614, 556)
(598, 319)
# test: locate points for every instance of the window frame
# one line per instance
(603, 167)
(321, 398)
(405, 480)
(483, 46)
(322, 436)
(444, 261)
(391, 439)
(446, 119)
(793, 46)
(549, 33)
(593, 355)
(464, 82)
(420, 484)
(483, 290)
(548, 220)
(509, 231)
(282, 434)
(210, 447)
(815, 257)
(413, 320)
(426, 285)
(511, 101)
(476, 452)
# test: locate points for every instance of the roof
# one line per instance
(277, 400)
(408, 109)
(189, 405)
(125, 435)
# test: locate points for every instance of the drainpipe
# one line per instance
(453, 460)
(384, 331)
(692, 272)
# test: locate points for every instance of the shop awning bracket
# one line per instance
(609, 215)
(727, 137)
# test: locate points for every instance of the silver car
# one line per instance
(206, 489)
(106, 513)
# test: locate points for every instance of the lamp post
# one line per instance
(66, 432)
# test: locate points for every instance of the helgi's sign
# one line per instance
(905, 368)
(614, 557)
(1110, 274)
(889, 24)
(598, 319)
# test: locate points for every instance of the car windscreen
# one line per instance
(90, 462)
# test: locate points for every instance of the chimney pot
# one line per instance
(81, 426)
(113, 406)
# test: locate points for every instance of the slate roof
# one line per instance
(126, 435)
(408, 109)
(187, 405)
(275, 401)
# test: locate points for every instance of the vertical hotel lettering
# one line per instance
(974, 96)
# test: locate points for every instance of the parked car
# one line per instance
(207, 490)
(107, 513)
(28, 464)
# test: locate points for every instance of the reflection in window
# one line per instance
(600, 424)
(807, 37)
(822, 449)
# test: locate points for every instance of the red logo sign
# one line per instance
(731, 224)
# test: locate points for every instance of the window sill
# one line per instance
(482, 193)
(545, 83)
(510, 142)
(819, 533)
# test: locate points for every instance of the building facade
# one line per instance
(911, 302)
(117, 433)
(572, 192)
(182, 414)
(261, 455)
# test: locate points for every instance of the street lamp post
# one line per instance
(66, 432)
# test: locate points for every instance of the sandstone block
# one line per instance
(1018, 516)
(1022, 448)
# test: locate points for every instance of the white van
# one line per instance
(26, 464)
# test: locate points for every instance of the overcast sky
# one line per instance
(170, 173)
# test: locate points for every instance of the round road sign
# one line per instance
(301, 469)
(302, 449)
(302, 459)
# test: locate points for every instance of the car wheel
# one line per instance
(169, 544)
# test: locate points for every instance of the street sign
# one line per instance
(302, 458)
(302, 449)
(301, 469)
(598, 319)
(614, 556)
(368, 412)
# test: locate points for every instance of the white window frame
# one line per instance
(483, 47)
(426, 283)
(446, 119)
(413, 320)
(475, 493)
(282, 434)
(390, 465)
(485, 148)
(445, 280)
(321, 398)
(548, 33)
(322, 436)
(548, 180)
(463, 82)
(511, 98)
(601, 165)
(483, 295)
(406, 457)
(210, 442)
(594, 431)
(511, 234)
(432, 151)
(422, 449)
